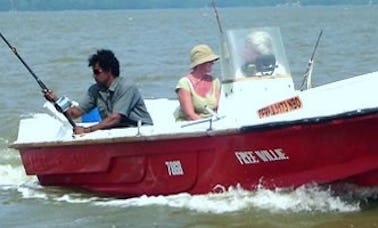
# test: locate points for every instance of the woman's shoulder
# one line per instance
(183, 82)
(184, 79)
(214, 80)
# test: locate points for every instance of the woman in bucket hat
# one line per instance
(198, 91)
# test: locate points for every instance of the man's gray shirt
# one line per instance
(120, 98)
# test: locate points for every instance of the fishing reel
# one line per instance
(62, 104)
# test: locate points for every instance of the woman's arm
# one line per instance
(185, 99)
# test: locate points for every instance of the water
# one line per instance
(153, 47)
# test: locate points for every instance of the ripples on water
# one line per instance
(153, 48)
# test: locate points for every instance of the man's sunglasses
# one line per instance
(97, 71)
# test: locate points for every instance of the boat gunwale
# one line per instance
(126, 139)
(208, 133)
(310, 121)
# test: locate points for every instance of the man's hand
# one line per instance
(79, 130)
(49, 95)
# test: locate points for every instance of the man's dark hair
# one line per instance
(106, 60)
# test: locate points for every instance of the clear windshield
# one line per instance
(253, 52)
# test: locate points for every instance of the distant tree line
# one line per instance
(32, 5)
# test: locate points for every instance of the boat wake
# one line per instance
(311, 198)
(303, 199)
(11, 170)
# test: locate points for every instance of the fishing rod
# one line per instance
(310, 65)
(217, 16)
(59, 104)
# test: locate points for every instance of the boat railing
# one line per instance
(209, 119)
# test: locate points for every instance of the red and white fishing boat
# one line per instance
(265, 133)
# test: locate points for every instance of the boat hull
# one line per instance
(283, 154)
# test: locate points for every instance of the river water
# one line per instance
(153, 48)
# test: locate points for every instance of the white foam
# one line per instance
(303, 199)
(12, 175)
(29, 192)
(11, 170)
(308, 199)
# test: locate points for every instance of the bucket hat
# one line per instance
(201, 53)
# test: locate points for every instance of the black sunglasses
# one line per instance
(97, 71)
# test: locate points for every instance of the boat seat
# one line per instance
(161, 111)
(92, 116)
